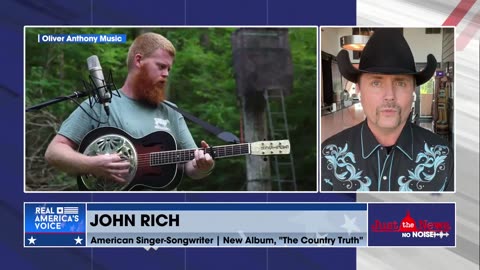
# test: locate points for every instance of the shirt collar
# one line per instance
(370, 143)
(405, 141)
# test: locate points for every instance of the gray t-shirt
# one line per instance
(132, 116)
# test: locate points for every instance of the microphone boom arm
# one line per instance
(76, 94)
(90, 91)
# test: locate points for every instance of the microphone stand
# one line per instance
(89, 89)
(76, 94)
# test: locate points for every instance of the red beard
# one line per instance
(147, 90)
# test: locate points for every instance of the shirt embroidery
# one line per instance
(338, 157)
(431, 160)
(353, 160)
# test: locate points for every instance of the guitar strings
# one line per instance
(183, 156)
(161, 160)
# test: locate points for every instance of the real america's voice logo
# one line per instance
(55, 218)
(411, 228)
(54, 224)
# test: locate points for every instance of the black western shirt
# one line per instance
(353, 160)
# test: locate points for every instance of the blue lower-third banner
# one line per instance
(237, 225)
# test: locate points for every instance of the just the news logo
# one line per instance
(411, 228)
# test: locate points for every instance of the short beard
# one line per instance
(148, 91)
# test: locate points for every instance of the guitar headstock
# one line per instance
(265, 148)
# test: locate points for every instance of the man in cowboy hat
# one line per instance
(386, 152)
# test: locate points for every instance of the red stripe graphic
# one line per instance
(459, 12)
(468, 33)
(456, 16)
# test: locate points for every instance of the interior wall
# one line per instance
(330, 39)
(423, 44)
(416, 38)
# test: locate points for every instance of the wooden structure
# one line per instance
(262, 63)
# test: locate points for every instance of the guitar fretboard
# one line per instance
(182, 156)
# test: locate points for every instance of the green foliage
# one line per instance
(302, 106)
(202, 82)
(427, 88)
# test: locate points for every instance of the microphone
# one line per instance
(96, 74)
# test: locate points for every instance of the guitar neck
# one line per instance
(183, 156)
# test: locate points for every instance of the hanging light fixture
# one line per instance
(355, 42)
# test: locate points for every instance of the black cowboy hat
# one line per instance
(386, 52)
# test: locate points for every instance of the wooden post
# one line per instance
(255, 129)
